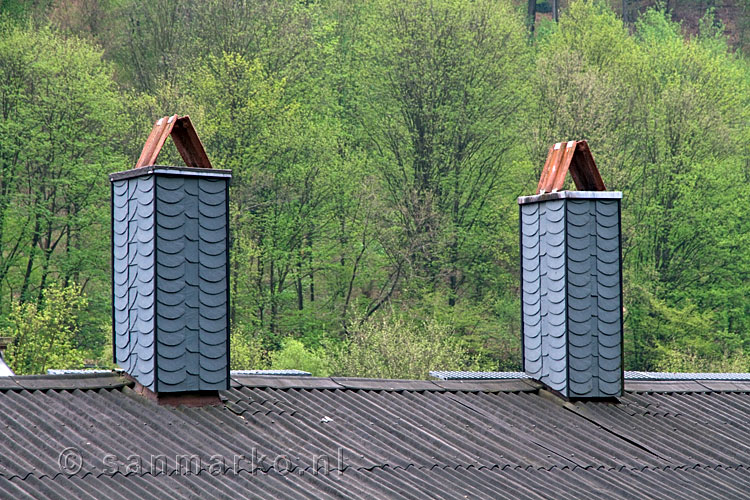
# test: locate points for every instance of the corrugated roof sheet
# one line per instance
(414, 483)
(629, 375)
(397, 439)
(685, 376)
(459, 375)
(78, 372)
(279, 373)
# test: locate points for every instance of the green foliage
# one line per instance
(665, 118)
(392, 346)
(293, 355)
(59, 138)
(44, 336)
(377, 150)
(445, 83)
(246, 351)
(693, 359)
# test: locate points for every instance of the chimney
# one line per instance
(4, 343)
(571, 293)
(170, 315)
(5, 370)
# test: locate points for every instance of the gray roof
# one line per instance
(78, 372)
(459, 375)
(298, 373)
(383, 439)
(685, 376)
(629, 375)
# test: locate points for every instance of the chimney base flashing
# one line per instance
(191, 399)
(551, 394)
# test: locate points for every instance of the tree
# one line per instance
(377, 151)
(60, 139)
(392, 346)
(274, 149)
(44, 335)
(445, 87)
(664, 117)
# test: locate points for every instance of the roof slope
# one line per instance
(383, 438)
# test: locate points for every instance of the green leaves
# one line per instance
(377, 150)
(44, 335)
(393, 346)
(446, 86)
(59, 137)
(665, 117)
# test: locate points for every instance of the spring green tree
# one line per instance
(44, 335)
(59, 134)
(666, 117)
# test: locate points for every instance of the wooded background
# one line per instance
(378, 148)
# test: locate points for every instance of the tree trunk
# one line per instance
(234, 279)
(259, 284)
(310, 265)
(299, 286)
(531, 15)
(272, 298)
(45, 274)
(30, 263)
(66, 276)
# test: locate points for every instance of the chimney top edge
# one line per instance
(168, 170)
(579, 195)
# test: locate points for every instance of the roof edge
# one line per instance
(111, 380)
(388, 385)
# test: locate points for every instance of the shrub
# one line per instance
(293, 355)
(685, 359)
(246, 351)
(43, 336)
(393, 347)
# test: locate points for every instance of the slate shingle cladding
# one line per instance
(572, 292)
(170, 266)
(133, 245)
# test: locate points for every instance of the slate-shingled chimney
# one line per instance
(170, 268)
(571, 293)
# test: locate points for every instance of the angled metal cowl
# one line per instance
(185, 139)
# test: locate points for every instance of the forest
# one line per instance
(378, 148)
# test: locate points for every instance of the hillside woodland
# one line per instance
(377, 149)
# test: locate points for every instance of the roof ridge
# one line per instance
(87, 381)
(388, 385)
(115, 380)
